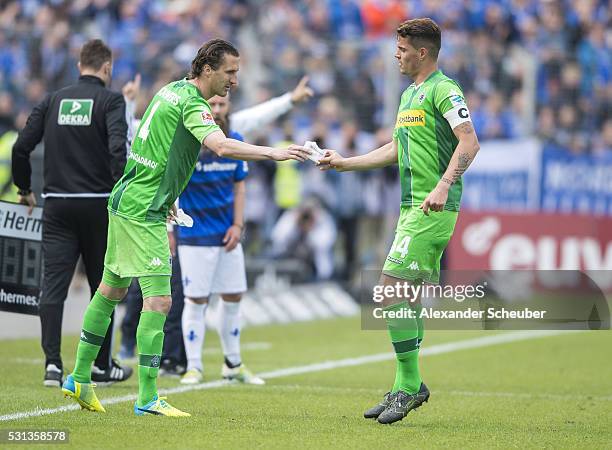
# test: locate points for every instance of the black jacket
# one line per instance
(85, 139)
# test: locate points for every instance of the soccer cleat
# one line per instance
(241, 374)
(159, 407)
(114, 373)
(53, 376)
(192, 376)
(83, 393)
(402, 404)
(169, 368)
(375, 411)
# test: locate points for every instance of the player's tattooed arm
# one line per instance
(464, 128)
(464, 154)
(464, 160)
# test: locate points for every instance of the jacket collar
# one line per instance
(91, 79)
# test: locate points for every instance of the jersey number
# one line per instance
(401, 247)
(143, 132)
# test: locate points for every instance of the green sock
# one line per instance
(398, 378)
(404, 336)
(417, 307)
(95, 325)
(150, 341)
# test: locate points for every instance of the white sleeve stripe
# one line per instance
(458, 115)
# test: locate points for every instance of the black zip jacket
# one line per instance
(85, 139)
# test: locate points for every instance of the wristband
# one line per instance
(24, 192)
(239, 226)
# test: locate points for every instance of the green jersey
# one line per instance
(425, 139)
(164, 153)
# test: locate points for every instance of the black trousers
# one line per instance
(72, 227)
(174, 349)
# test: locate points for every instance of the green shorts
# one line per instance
(137, 249)
(419, 243)
(150, 286)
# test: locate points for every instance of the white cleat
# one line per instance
(241, 374)
(192, 376)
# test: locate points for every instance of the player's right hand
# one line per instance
(331, 160)
(171, 217)
(302, 92)
(296, 152)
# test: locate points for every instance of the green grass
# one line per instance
(548, 392)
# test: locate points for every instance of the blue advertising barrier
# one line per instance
(575, 183)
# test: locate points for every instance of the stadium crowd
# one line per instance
(528, 67)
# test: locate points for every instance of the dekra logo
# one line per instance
(75, 112)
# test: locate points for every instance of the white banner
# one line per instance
(16, 223)
(504, 176)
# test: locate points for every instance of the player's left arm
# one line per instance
(458, 116)
(234, 232)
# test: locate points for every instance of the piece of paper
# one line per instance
(317, 153)
(182, 219)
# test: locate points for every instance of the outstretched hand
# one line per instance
(302, 92)
(331, 160)
(296, 152)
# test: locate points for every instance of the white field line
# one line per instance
(309, 368)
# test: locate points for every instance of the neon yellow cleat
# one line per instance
(192, 376)
(83, 393)
(241, 374)
(159, 407)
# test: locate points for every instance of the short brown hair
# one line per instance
(422, 33)
(211, 54)
(95, 53)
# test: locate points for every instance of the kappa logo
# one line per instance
(156, 262)
(413, 266)
(207, 118)
(75, 112)
(155, 361)
(83, 337)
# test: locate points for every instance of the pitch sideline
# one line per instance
(437, 349)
